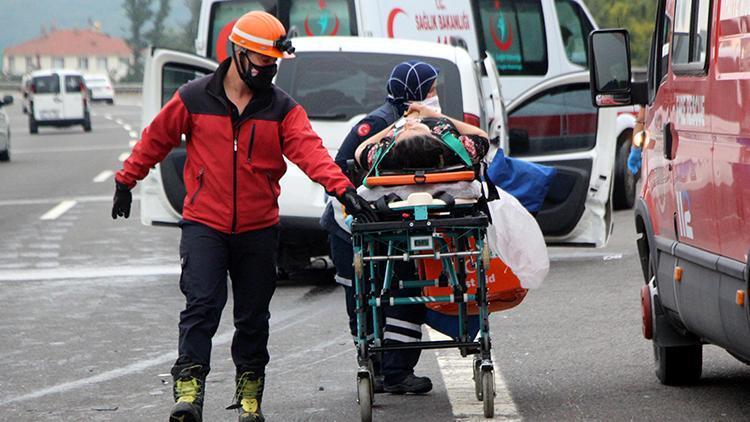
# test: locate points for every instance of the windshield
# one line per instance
(314, 17)
(46, 84)
(516, 51)
(339, 86)
(223, 15)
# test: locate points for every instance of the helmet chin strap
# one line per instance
(243, 70)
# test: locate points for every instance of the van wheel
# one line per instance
(625, 182)
(33, 126)
(5, 155)
(87, 123)
(110, 101)
(678, 365)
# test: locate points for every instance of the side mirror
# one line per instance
(7, 100)
(609, 59)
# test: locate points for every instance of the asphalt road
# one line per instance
(89, 308)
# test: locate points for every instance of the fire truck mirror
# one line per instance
(611, 83)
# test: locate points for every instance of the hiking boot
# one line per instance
(411, 384)
(188, 389)
(248, 397)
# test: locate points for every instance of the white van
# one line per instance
(582, 215)
(58, 98)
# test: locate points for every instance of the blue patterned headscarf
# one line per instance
(411, 81)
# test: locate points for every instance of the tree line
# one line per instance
(147, 27)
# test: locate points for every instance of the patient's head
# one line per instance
(415, 149)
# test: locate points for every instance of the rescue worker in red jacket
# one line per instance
(238, 128)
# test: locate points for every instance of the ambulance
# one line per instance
(693, 212)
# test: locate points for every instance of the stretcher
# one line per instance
(445, 237)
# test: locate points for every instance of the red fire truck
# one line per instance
(693, 213)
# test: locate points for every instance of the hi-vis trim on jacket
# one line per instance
(232, 171)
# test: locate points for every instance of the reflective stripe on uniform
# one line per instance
(399, 337)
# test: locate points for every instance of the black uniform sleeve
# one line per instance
(364, 129)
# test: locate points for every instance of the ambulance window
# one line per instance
(173, 76)
(516, 51)
(223, 15)
(690, 36)
(574, 28)
(337, 86)
(559, 120)
(46, 84)
(308, 18)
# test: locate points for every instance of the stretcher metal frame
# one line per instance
(377, 246)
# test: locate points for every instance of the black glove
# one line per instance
(121, 202)
(357, 206)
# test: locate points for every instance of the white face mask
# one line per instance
(432, 102)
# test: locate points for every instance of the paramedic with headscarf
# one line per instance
(409, 82)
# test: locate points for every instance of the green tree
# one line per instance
(637, 16)
(157, 33)
(138, 13)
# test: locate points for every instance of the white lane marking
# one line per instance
(555, 256)
(119, 121)
(155, 361)
(103, 176)
(124, 156)
(108, 116)
(457, 375)
(71, 273)
(132, 142)
(67, 149)
(58, 210)
(127, 127)
(44, 201)
(133, 134)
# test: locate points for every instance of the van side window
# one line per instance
(561, 119)
(574, 28)
(312, 18)
(514, 35)
(690, 36)
(174, 76)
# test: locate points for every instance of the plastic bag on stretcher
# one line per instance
(520, 260)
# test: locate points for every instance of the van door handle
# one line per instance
(668, 141)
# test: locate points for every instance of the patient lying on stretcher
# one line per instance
(424, 139)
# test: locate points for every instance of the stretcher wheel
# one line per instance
(486, 256)
(358, 265)
(477, 377)
(488, 393)
(364, 397)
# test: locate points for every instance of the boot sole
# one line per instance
(184, 417)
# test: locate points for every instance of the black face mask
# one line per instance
(262, 80)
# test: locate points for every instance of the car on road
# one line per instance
(99, 87)
(693, 212)
(58, 97)
(339, 79)
(5, 129)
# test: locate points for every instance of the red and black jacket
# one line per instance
(232, 170)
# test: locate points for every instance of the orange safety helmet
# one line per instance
(262, 33)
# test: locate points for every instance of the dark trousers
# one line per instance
(249, 258)
(402, 323)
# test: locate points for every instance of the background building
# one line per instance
(87, 50)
